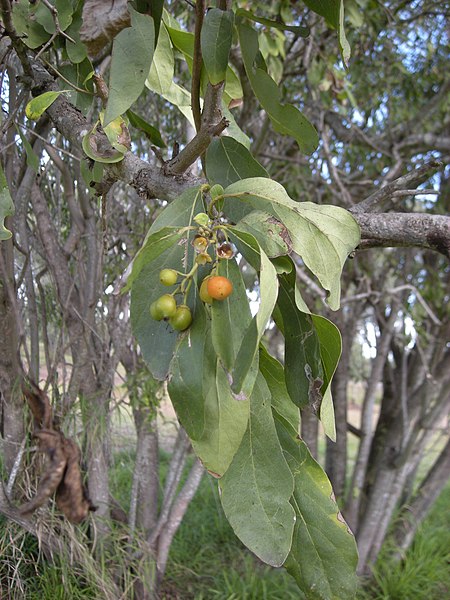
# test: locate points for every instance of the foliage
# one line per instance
(241, 220)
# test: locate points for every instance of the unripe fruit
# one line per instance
(165, 305)
(182, 318)
(219, 287)
(204, 296)
(168, 277)
(155, 312)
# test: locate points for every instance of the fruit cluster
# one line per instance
(213, 287)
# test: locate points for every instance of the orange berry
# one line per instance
(219, 287)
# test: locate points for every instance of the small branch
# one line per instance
(196, 147)
(19, 46)
(197, 64)
(377, 201)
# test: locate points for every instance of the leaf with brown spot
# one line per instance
(71, 498)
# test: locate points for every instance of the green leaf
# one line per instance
(323, 236)
(77, 51)
(302, 361)
(155, 244)
(268, 291)
(161, 71)
(301, 31)
(33, 34)
(45, 18)
(184, 42)
(80, 74)
(330, 342)
(188, 369)
(157, 340)
(323, 556)
(333, 12)
(150, 132)
(258, 485)
(271, 234)
(39, 105)
(228, 161)
(273, 373)
(6, 206)
(132, 55)
(285, 118)
(216, 39)
(213, 418)
(230, 317)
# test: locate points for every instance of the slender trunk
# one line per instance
(11, 401)
(176, 515)
(336, 453)
(359, 473)
(412, 515)
(144, 502)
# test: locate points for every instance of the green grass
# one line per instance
(425, 572)
(207, 561)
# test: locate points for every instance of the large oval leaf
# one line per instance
(258, 485)
(323, 236)
(323, 556)
(227, 161)
(132, 55)
(216, 38)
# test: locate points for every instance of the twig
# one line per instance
(19, 46)
(58, 29)
(376, 200)
(50, 66)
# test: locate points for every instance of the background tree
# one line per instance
(383, 131)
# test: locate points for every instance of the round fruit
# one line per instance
(219, 287)
(165, 305)
(155, 312)
(182, 318)
(168, 277)
(204, 296)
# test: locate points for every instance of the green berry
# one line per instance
(182, 318)
(166, 306)
(168, 277)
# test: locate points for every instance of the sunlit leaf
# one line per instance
(39, 105)
(132, 55)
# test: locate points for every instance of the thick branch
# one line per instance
(405, 229)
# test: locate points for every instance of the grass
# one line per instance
(207, 561)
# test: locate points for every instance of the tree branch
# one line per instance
(379, 199)
(404, 229)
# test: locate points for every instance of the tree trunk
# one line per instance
(351, 511)
(12, 405)
(412, 515)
